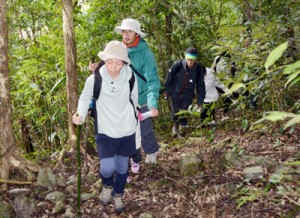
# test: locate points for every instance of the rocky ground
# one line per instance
(227, 172)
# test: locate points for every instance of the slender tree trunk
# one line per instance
(7, 140)
(9, 154)
(70, 66)
(169, 31)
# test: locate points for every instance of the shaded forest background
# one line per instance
(261, 36)
(247, 30)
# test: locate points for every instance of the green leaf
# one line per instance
(258, 127)
(277, 115)
(273, 116)
(292, 122)
(234, 88)
(275, 54)
(292, 163)
(57, 84)
(291, 67)
(244, 124)
(292, 77)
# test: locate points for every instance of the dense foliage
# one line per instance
(247, 30)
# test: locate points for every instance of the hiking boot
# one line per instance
(175, 130)
(105, 195)
(151, 158)
(135, 167)
(118, 202)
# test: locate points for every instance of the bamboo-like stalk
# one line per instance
(78, 131)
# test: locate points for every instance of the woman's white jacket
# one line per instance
(211, 82)
(116, 115)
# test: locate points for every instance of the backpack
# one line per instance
(92, 111)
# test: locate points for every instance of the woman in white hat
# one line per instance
(143, 61)
(116, 119)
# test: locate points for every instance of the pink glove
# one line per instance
(144, 116)
(140, 116)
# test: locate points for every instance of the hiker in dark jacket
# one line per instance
(183, 78)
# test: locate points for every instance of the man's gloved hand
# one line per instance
(92, 66)
(194, 108)
(166, 96)
(198, 108)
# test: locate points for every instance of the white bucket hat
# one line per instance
(114, 49)
(130, 24)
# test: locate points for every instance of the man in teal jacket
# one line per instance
(145, 68)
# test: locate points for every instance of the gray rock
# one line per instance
(61, 182)
(42, 204)
(94, 194)
(72, 180)
(69, 214)
(92, 178)
(195, 140)
(253, 172)
(190, 165)
(24, 207)
(146, 215)
(46, 179)
(98, 185)
(286, 173)
(70, 189)
(56, 196)
(18, 191)
(85, 197)
(59, 207)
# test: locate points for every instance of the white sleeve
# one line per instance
(86, 97)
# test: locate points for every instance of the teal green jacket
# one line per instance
(142, 59)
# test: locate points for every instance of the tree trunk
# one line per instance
(70, 66)
(9, 154)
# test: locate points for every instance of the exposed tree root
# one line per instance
(62, 155)
(14, 161)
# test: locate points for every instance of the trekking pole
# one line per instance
(78, 131)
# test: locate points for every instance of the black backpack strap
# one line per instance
(97, 85)
(131, 85)
(96, 93)
(137, 73)
(217, 61)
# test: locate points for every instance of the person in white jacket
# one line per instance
(212, 95)
(116, 120)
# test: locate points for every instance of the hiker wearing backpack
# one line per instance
(144, 66)
(116, 117)
(222, 64)
(183, 78)
(212, 85)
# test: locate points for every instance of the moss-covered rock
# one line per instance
(6, 210)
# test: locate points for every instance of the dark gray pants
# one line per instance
(176, 106)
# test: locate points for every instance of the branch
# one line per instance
(16, 182)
